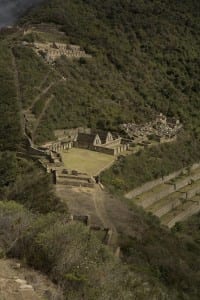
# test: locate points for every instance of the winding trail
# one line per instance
(43, 81)
(42, 114)
(38, 97)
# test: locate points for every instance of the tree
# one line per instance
(8, 169)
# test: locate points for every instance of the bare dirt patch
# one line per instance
(20, 283)
(104, 209)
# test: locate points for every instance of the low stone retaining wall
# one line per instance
(74, 177)
(193, 192)
(167, 208)
(182, 216)
(195, 177)
(182, 183)
(151, 184)
(151, 199)
(35, 151)
(75, 183)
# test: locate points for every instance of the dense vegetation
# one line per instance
(71, 255)
(145, 60)
(172, 258)
(10, 132)
(151, 163)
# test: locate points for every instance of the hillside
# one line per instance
(140, 58)
(145, 60)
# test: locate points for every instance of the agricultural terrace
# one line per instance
(86, 161)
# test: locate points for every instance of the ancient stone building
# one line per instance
(101, 141)
(88, 140)
(52, 51)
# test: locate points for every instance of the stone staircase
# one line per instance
(174, 200)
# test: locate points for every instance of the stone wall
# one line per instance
(182, 183)
(193, 192)
(186, 213)
(74, 182)
(151, 184)
(154, 197)
(143, 188)
(38, 152)
(167, 208)
(105, 150)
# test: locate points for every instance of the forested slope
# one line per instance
(145, 59)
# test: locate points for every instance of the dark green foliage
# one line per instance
(134, 170)
(32, 72)
(10, 132)
(149, 50)
(145, 60)
(25, 183)
(173, 260)
(70, 254)
(8, 169)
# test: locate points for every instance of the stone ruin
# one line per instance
(161, 129)
(52, 51)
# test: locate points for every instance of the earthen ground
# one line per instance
(24, 283)
(86, 161)
(104, 209)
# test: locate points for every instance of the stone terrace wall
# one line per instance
(151, 199)
(168, 207)
(190, 194)
(186, 213)
(170, 188)
(151, 184)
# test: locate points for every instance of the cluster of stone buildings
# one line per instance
(52, 51)
(98, 140)
(161, 129)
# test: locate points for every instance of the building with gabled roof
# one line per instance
(101, 141)
(88, 140)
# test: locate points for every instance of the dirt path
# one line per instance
(99, 200)
(104, 209)
(18, 92)
(42, 114)
(38, 97)
(43, 81)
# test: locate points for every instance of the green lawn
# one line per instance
(86, 161)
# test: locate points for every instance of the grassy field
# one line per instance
(86, 161)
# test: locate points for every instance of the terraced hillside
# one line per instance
(172, 198)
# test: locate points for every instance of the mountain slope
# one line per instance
(150, 50)
(145, 60)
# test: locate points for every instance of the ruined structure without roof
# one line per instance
(52, 51)
(162, 128)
